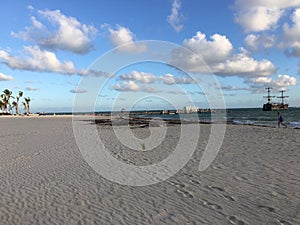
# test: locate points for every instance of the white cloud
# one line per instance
(94, 73)
(170, 79)
(78, 91)
(126, 86)
(285, 81)
(37, 60)
(68, 33)
(291, 35)
(177, 92)
(261, 15)
(4, 77)
(259, 18)
(282, 81)
(141, 77)
(148, 89)
(131, 86)
(31, 89)
(217, 56)
(122, 37)
(216, 50)
(255, 42)
(175, 19)
(243, 65)
(30, 7)
(262, 80)
(234, 88)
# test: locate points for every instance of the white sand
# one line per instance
(255, 179)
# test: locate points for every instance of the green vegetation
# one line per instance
(7, 107)
(143, 146)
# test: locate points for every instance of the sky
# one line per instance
(154, 54)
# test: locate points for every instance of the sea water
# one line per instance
(243, 116)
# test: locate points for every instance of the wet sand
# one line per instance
(255, 178)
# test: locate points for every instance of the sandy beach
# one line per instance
(44, 179)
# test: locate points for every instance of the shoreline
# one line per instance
(105, 120)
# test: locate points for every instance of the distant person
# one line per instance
(280, 120)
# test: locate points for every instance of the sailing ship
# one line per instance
(270, 106)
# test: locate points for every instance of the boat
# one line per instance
(271, 106)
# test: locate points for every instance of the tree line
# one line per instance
(7, 106)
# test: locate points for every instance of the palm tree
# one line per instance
(27, 100)
(14, 105)
(5, 102)
(2, 105)
(17, 102)
(24, 106)
(6, 97)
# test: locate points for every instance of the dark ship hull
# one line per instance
(275, 106)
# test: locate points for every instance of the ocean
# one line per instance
(243, 116)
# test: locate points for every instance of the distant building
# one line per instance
(191, 109)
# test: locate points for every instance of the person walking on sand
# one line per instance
(280, 120)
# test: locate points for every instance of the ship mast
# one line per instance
(269, 96)
(282, 96)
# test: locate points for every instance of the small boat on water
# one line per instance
(271, 106)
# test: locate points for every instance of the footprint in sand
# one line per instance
(216, 167)
(194, 181)
(283, 222)
(217, 188)
(270, 209)
(212, 205)
(228, 197)
(240, 178)
(235, 220)
(185, 193)
(223, 191)
(178, 185)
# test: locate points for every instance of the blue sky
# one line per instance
(48, 47)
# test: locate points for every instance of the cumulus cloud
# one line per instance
(146, 78)
(261, 15)
(122, 37)
(215, 50)
(37, 60)
(66, 33)
(141, 77)
(126, 86)
(170, 79)
(217, 56)
(259, 18)
(132, 86)
(244, 65)
(78, 91)
(4, 77)
(175, 18)
(291, 35)
(255, 42)
(282, 82)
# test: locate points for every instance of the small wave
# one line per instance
(245, 122)
(294, 124)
